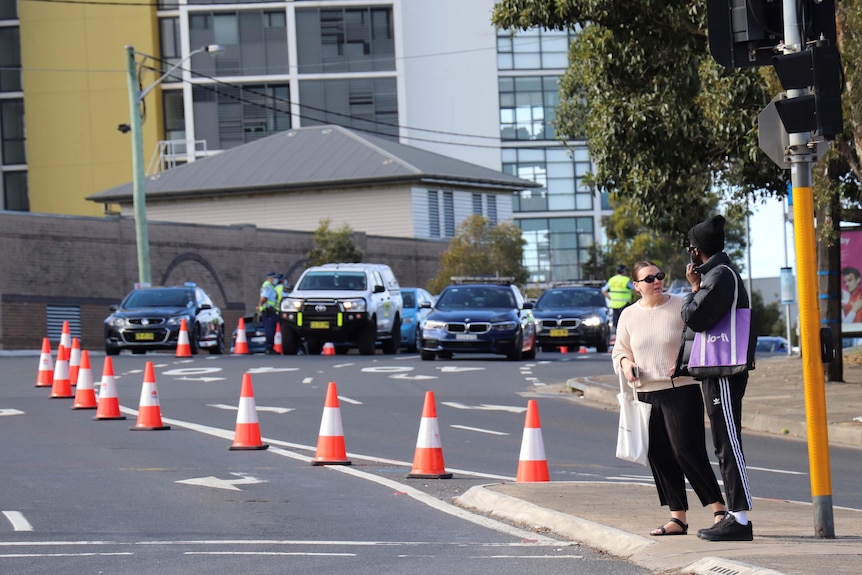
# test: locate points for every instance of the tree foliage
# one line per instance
(481, 248)
(666, 126)
(333, 246)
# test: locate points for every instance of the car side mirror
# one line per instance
(379, 289)
(425, 305)
(205, 306)
(528, 305)
(114, 307)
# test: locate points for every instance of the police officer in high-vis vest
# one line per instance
(268, 309)
(619, 290)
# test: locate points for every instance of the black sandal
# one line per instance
(664, 531)
(721, 514)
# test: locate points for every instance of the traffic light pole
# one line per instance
(800, 156)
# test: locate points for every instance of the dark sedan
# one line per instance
(479, 318)
(573, 316)
(150, 319)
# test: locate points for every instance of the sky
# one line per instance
(768, 244)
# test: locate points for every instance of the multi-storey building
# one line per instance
(435, 75)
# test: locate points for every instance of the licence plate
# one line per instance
(145, 336)
(320, 325)
(559, 332)
(466, 337)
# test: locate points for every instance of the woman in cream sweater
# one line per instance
(645, 352)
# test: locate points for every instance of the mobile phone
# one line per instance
(636, 372)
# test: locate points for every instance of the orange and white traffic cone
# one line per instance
(564, 349)
(74, 361)
(328, 348)
(62, 387)
(247, 433)
(66, 336)
(45, 377)
(184, 348)
(583, 349)
(240, 346)
(428, 457)
(149, 410)
(85, 395)
(277, 341)
(109, 403)
(330, 441)
(532, 465)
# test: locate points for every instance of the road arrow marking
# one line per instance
(415, 377)
(271, 369)
(485, 407)
(279, 410)
(203, 379)
(230, 484)
(10, 412)
(458, 369)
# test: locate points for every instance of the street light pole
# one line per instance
(139, 198)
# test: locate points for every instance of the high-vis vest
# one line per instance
(267, 290)
(620, 294)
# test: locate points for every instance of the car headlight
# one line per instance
(116, 321)
(178, 319)
(434, 324)
(353, 304)
(504, 326)
(291, 304)
(407, 320)
(592, 321)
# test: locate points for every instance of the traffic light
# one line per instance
(817, 70)
(744, 33)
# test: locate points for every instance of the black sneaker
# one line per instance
(727, 530)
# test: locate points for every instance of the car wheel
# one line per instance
(219, 346)
(517, 354)
(390, 346)
(112, 351)
(427, 355)
(315, 346)
(367, 338)
(417, 339)
(194, 339)
(603, 345)
(444, 354)
(288, 342)
(531, 353)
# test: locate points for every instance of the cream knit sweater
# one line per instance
(650, 337)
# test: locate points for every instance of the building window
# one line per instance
(15, 197)
(556, 248)
(528, 107)
(169, 34)
(534, 49)
(255, 42)
(228, 116)
(449, 214)
(174, 114)
(492, 209)
(12, 132)
(345, 40)
(433, 214)
(10, 59)
(8, 10)
(369, 105)
(562, 178)
(477, 204)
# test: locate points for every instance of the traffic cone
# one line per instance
(240, 346)
(583, 349)
(85, 395)
(66, 336)
(149, 411)
(328, 348)
(109, 403)
(184, 348)
(428, 457)
(247, 434)
(74, 361)
(277, 342)
(62, 387)
(45, 377)
(564, 349)
(330, 441)
(532, 465)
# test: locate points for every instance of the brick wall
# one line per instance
(92, 263)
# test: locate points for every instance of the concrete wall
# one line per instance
(91, 263)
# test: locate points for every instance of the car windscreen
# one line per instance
(476, 298)
(570, 298)
(348, 281)
(158, 298)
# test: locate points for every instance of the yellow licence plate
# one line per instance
(320, 325)
(145, 336)
(559, 332)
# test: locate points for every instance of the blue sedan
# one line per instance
(413, 315)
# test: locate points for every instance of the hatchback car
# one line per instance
(479, 318)
(573, 316)
(771, 344)
(150, 319)
(417, 306)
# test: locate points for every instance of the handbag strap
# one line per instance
(625, 384)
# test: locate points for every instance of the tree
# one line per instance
(333, 246)
(481, 248)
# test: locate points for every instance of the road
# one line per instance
(116, 501)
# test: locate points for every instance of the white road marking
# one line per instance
(34, 555)
(337, 365)
(485, 407)
(349, 400)
(488, 431)
(18, 521)
(769, 470)
(255, 370)
(307, 380)
(203, 379)
(416, 377)
(230, 484)
(279, 410)
(185, 371)
(10, 411)
(386, 369)
(270, 553)
(458, 369)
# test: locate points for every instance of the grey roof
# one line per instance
(314, 157)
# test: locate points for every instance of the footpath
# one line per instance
(616, 518)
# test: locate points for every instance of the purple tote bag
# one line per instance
(722, 350)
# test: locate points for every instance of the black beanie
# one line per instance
(708, 236)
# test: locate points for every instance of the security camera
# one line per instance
(124, 128)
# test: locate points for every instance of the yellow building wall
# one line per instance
(76, 94)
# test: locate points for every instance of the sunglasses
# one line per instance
(690, 249)
(649, 279)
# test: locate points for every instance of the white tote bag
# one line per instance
(633, 433)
